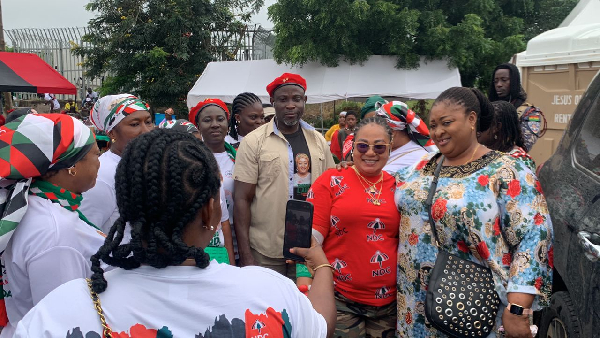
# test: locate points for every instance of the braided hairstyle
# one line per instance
(473, 100)
(163, 180)
(509, 134)
(240, 102)
(517, 93)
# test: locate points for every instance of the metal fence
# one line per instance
(54, 46)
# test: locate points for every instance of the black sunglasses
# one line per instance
(379, 148)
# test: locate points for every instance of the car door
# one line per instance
(583, 269)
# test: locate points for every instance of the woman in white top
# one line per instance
(211, 116)
(122, 117)
(247, 114)
(165, 285)
(44, 239)
(410, 135)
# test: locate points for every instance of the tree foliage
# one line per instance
(158, 48)
(473, 35)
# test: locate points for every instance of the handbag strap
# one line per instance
(107, 333)
(429, 202)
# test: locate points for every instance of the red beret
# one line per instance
(286, 79)
(194, 112)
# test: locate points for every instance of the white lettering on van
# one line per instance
(562, 100)
(562, 118)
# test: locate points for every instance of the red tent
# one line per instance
(22, 72)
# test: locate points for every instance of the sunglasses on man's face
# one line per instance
(378, 148)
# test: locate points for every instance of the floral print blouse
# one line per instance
(490, 211)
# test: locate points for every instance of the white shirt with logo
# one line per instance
(180, 301)
(50, 246)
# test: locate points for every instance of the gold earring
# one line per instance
(113, 140)
(472, 128)
(71, 171)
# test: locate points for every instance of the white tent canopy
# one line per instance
(577, 39)
(377, 76)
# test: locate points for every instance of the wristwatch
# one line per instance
(518, 310)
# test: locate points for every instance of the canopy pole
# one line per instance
(321, 117)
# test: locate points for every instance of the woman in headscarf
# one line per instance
(49, 160)
(122, 117)
(410, 138)
(211, 116)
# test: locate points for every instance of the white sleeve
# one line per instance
(98, 204)
(309, 321)
(224, 212)
(54, 267)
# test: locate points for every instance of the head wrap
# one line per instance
(370, 105)
(179, 125)
(194, 112)
(343, 113)
(31, 146)
(284, 80)
(400, 117)
(18, 112)
(112, 109)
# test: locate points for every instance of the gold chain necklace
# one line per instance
(371, 188)
(473, 155)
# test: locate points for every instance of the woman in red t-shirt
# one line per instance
(357, 222)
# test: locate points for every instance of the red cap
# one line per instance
(286, 79)
(203, 104)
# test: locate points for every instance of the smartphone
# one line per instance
(298, 227)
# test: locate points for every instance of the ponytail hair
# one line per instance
(473, 100)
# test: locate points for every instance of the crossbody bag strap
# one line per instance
(107, 333)
(429, 201)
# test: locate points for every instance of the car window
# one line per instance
(587, 146)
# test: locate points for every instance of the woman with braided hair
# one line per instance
(45, 240)
(247, 115)
(164, 284)
(122, 117)
(481, 206)
(505, 135)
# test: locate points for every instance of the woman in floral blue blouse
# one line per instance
(488, 208)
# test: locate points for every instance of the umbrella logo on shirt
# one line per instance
(334, 221)
(377, 224)
(338, 265)
(379, 257)
(258, 325)
(336, 181)
(381, 292)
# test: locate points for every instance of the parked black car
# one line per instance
(571, 183)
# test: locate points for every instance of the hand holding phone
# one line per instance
(298, 227)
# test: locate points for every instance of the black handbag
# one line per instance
(461, 300)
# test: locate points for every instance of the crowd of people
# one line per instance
(178, 230)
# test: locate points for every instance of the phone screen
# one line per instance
(298, 227)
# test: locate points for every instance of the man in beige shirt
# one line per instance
(270, 169)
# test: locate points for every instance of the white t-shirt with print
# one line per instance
(404, 156)
(99, 204)
(49, 247)
(180, 301)
(231, 140)
(226, 166)
(219, 239)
